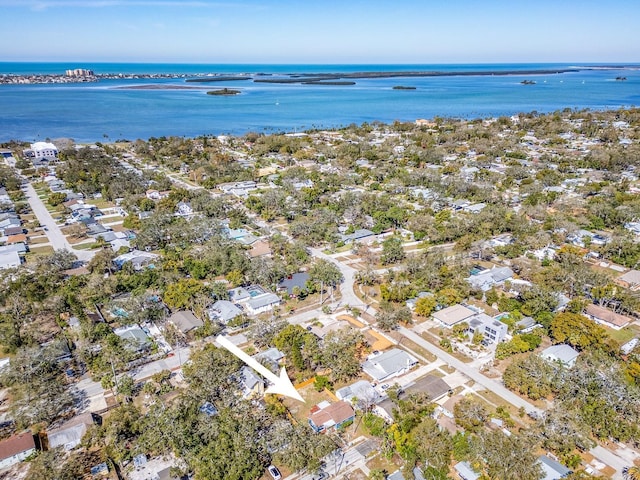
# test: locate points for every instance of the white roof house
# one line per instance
(9, 259)
(452, 315)
(389, 364)
(44, 150)
(565, 354)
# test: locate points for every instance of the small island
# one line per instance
(402, 87)
(223, 91)
(620, 79)
(528, 82)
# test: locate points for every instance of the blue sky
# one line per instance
(321, 31)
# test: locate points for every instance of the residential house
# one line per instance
(450, 316)
(435, 387)
(392, 363)
(137, 258)
(358, 235)
(185, 321)
(14, 231)
(239, 295)
(551, 469)
(16, 448)
(292, 282)
(326, 416)
(272, 356)
(69, 435)
(184, 209)
(9, 260)
(604, 316)
(252, 385)
(465, 472)
(630, 280)
(262, 303)
(474, 208)
(44, 150)
(223, 311)
(361, 390)
(493, 330)
(259, 248)
(565, 354)
(488, 279)
(134, 337)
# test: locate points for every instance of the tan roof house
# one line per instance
(607, 317)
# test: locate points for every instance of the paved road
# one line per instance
(346, 287)
(475, 375)
(56, 238)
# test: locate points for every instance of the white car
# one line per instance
(274, 472)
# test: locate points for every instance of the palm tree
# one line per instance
(631, 473)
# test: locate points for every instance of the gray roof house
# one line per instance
(552, 470)
(492, 329)
(185, 320)
(465, 472)
(359, 234)
(223, 311)
(562, 353)
(134, 336)
(298, 280)
(489, 278)
(239, 294)
(433, 386)
(360, 390)
(9, 260)
(262, 303)
(250, 382)
(69, 435)
(389, 364)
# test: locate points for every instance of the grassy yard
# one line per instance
(625, 334)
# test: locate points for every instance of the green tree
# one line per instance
(579, 332)
(341, 351)
(325, 273)
(426, 305)
(181, 294)
(392, 251)
(470, 413)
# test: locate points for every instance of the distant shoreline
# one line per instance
(296, 78)
(158, 86)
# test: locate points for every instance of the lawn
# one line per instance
(625, 334)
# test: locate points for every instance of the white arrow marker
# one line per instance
(280, 385)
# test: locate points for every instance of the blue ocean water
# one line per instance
(103, 112)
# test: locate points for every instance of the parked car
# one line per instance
(274, 472)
